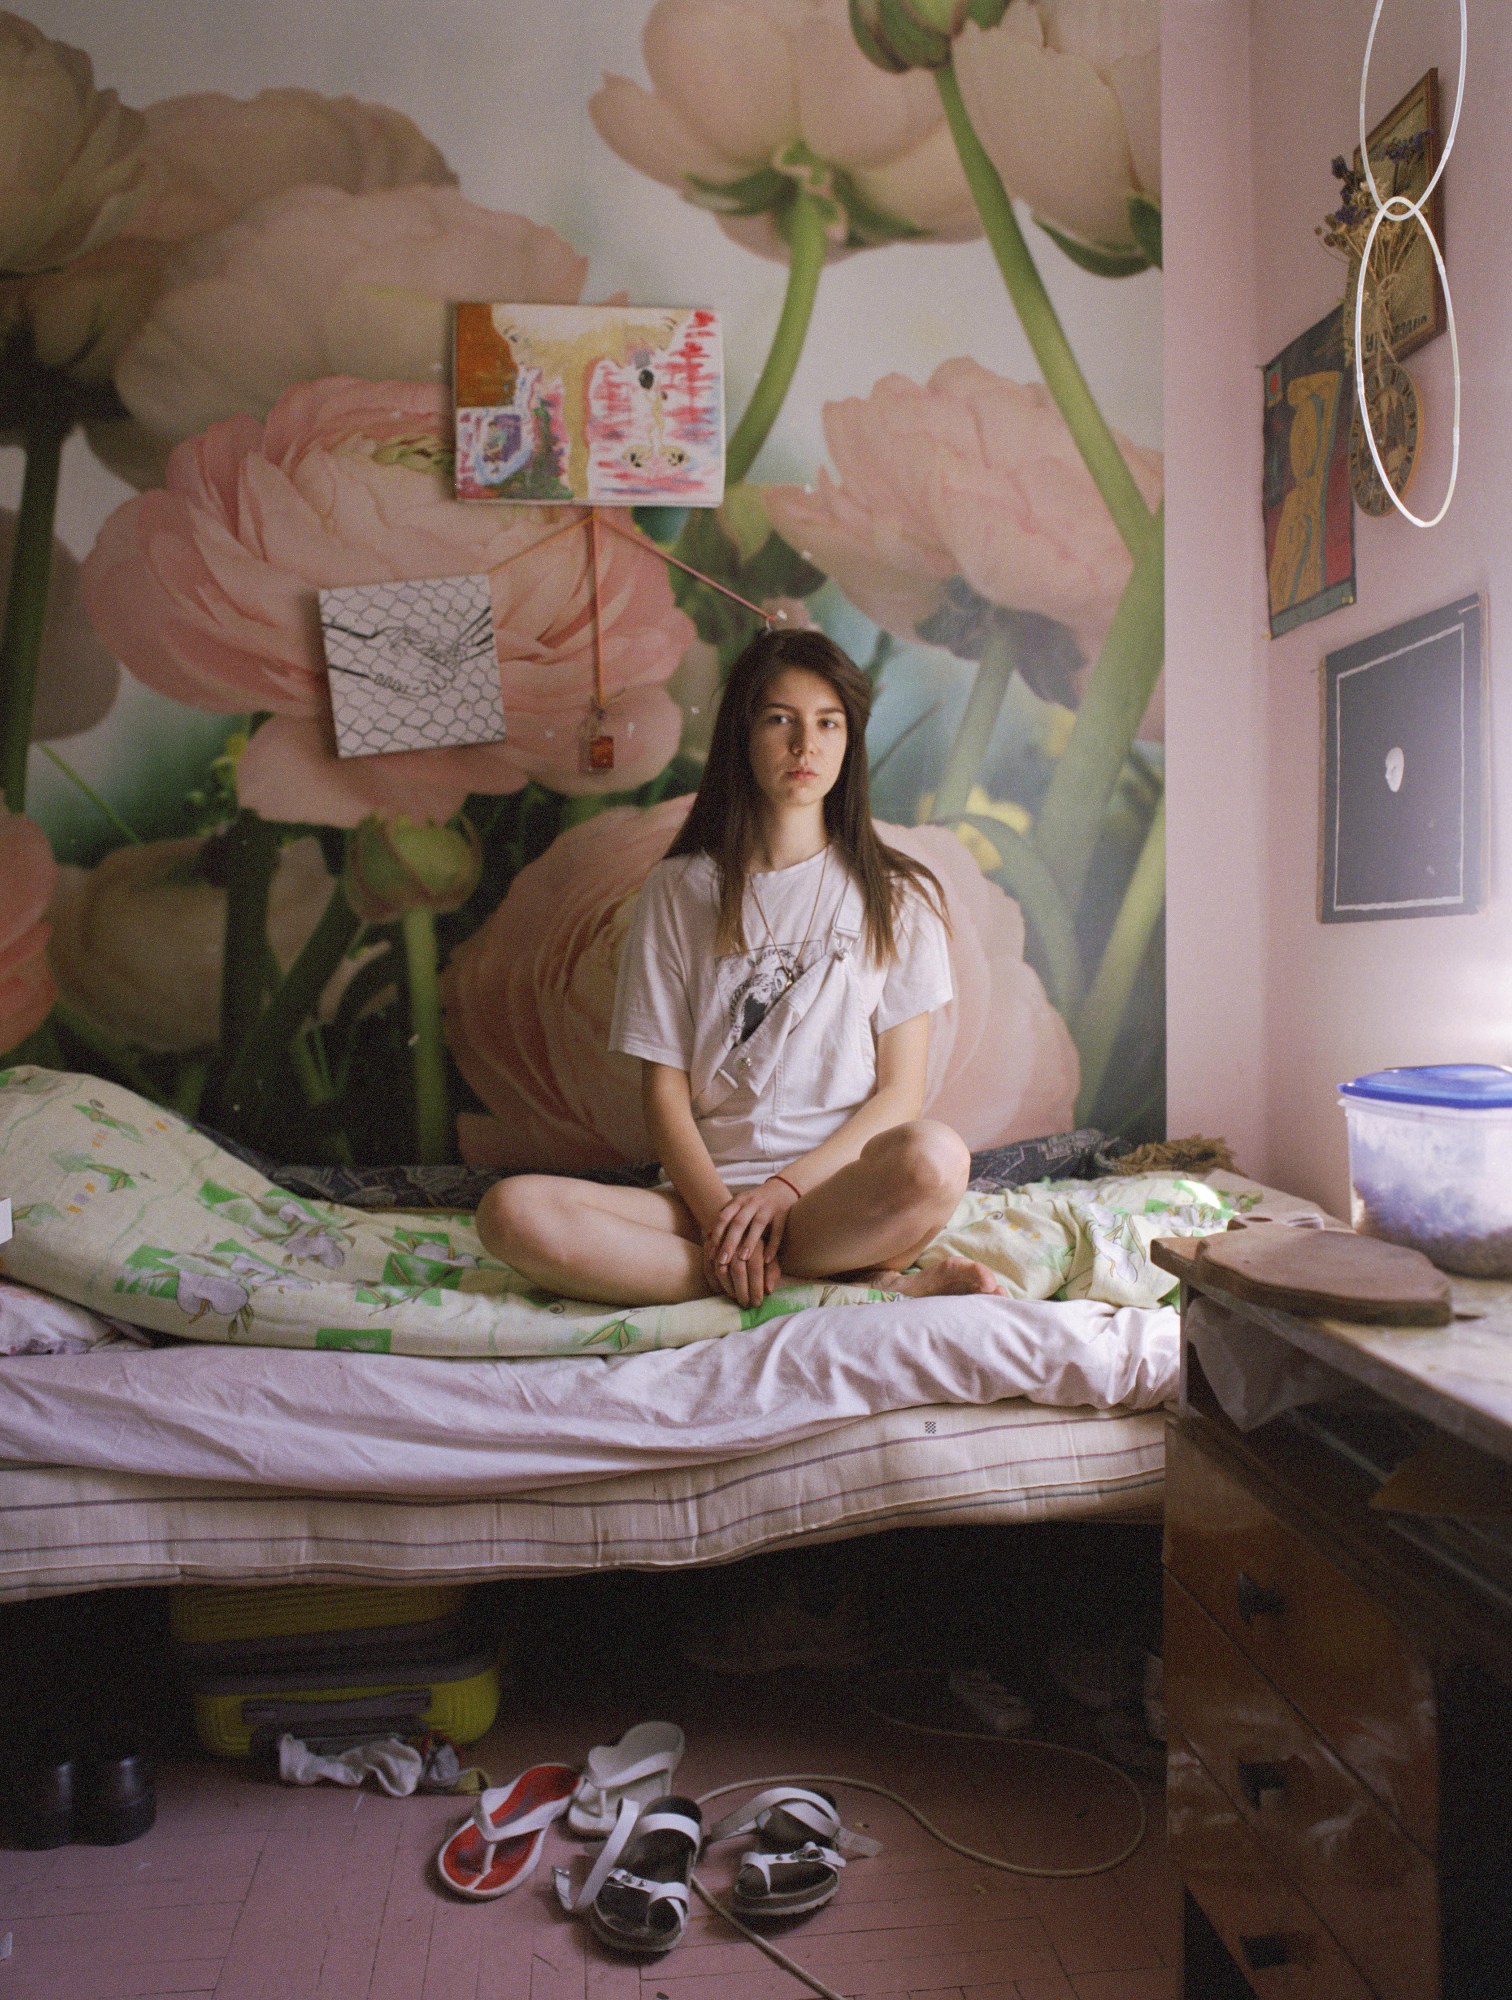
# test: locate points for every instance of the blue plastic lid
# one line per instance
(1457, 1086)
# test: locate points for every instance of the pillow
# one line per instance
(441, 1187)
(1083, 1155)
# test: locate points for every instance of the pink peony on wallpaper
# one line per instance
(227, 274)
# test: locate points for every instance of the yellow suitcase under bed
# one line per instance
(332, 1666)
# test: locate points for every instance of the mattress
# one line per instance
(68, 1529)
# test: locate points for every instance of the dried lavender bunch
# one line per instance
(1344, 230)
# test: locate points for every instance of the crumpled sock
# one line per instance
(397, 1767)
(442, 1766)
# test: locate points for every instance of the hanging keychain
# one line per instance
(595, 742)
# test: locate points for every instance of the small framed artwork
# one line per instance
(1404, 152)
(412, 665)
(1306, 501)
(607, 406)
(1403, 787)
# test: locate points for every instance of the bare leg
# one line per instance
(623, 1246)
(876, 1215)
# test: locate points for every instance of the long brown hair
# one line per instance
(725, 815)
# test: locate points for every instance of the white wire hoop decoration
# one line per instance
(1398, 208)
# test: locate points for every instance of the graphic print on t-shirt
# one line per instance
(761, 979)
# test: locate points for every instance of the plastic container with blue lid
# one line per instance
(1430, 1162)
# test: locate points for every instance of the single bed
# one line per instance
(233, 1464)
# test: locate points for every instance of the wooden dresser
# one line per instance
(1338, 1676)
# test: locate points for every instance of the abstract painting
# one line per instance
(612, 406)
(1308, 507)
(412, 666)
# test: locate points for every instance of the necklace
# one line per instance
(790, 972)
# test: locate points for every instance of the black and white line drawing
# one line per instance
(412, 665)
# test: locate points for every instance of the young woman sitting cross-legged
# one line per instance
(776, 984)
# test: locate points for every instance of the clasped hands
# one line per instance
(740, 1245)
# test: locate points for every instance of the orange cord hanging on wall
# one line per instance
(596, 737)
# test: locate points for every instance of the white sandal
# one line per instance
(636, 1893)
(639, 1768)
(794, 1865)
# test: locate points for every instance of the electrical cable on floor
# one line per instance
(1028, 1743)
(997, 1861)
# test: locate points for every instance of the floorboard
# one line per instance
(247, 1890)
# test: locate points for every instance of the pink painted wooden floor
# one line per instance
(245, 1890)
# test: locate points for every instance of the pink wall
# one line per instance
(1269, 1009)
(1215, 700)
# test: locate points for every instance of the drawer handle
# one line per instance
(1262, 1953)
(1256, 1601)
(1255, 1780)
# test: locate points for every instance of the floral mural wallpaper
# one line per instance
(230, 242)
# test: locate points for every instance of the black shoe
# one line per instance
(117, 1800)
(41, 1797)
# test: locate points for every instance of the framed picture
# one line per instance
(1404, 151)
(1308, 510)
(1403, 788)
(612, 406)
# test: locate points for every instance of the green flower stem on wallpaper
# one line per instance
(1071, 814)
(189, 1086)
(251, 856)
(806, 247)
(432, 1104)
(1097, 1023)
(245, 1092)
(1058, 364)
(102, 806)
(26, 602)
(310, 1068)
(973, 735)
(1022, 874)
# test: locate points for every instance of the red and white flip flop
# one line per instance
(497, 1849)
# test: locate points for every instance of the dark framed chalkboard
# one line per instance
(1403, 821)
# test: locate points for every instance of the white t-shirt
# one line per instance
(774, 1068)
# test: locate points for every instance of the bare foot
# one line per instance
(950, 1277)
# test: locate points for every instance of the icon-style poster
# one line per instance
(1308, 506)
(609, 406)
(412, 666)
(1404, 746)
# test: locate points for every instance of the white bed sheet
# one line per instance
(343, 1423)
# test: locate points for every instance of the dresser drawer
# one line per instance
(1315, 1633)
(1280, 1943)
(1315, 1821)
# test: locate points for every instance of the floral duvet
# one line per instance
(124, 1207)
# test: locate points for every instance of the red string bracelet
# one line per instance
(797, 1192)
